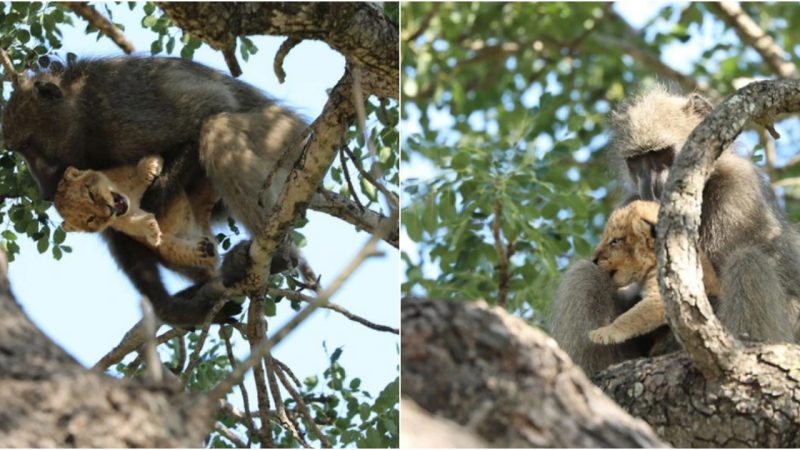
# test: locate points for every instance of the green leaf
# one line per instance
(269, 307)
(59, 236)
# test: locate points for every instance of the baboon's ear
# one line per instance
(66, 227)
(48, 91)
(698, 105)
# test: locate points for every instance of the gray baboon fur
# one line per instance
(747, 238)
(96, 114)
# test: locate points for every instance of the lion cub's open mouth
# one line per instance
(120, 204)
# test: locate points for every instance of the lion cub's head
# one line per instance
(627, 248)
(88, 200)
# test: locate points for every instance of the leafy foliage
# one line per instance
(506, 109)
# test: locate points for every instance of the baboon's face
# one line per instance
(649, 132)
(627, 249)
(36, 121)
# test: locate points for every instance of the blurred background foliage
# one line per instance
(505, 106)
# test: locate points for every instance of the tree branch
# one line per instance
(749, 32)
(359, 31)
(335, 205)
(97, 20)
(283, 50)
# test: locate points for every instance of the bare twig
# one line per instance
(749, 31)
(256, 334)
(181, 359)
(391, 196)
(280, 408)
(230, 59)
(288, 371)
(336, 205)
(10, 73)
(153, 363)
(293, 295)
(265, 346)
(283, 51)
(230, 435)
(248, 417)
(100, 22)
(301, 406)
(346, 172)
(132, 340)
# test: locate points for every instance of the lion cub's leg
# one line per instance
(183, 252)
(141, 225)
(644, 317)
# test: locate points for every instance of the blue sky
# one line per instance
(86, 304)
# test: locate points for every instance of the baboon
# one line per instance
(627, 253)
(103, 113)
(746, 237)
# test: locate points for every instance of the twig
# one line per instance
(10, 72)
(181, 344)
(153, 363)
(132, 340)
(502, 257)
(230, 435)
(256, 333)
(288, 371)
(346, 172)
(749, 31)
(301, 406)
(283, 51)
(251, 426)
(100, 22)
(391, 196)
(230, 59)
(294, 295)
(426, 22)
(202, 339)
(280, 408)
(338, 206)
(224, 386)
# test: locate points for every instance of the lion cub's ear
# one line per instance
(71, 173)
(644, 227)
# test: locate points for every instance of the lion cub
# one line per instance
(90, 200)
(627, 252)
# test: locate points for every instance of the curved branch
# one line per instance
(283, 51)
(336, 205)
(360, 31)
(689, 314)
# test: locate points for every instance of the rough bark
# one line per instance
(359, 31)
(756, 406)
(48, 400)
(505, 381)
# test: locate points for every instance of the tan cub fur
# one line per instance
(90, 200)
(627, 252)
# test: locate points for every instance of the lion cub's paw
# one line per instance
(152, 232)
(206, 252)
(607, 335)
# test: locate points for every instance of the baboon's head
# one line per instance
(36, 123)
(649, 130)
(627, 249)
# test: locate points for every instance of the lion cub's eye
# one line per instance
(90, 221)
(615, 241)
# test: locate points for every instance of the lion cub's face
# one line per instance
(88, 200)
(627, 248)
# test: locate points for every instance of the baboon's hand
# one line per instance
(607, 335)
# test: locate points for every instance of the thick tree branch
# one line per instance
(359, 31)
(99, 21)
(506, 381)
(749, 31)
